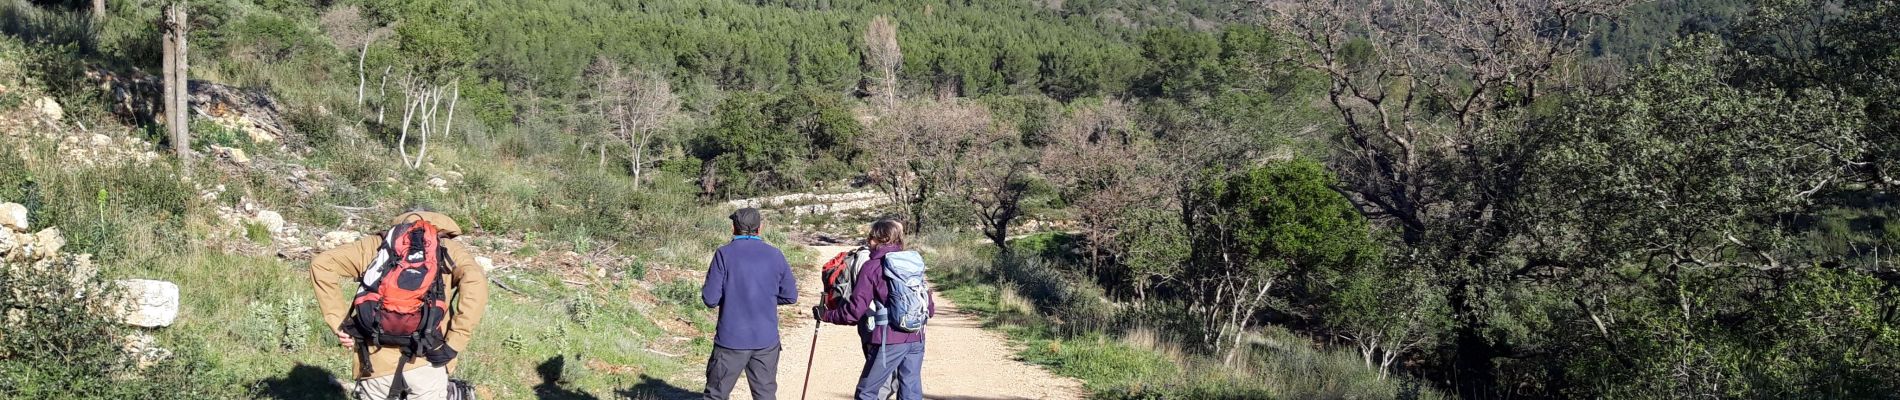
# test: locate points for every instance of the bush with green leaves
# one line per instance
(62, 340)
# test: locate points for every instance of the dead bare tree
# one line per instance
(994, 174)
(883, 55)
(423, 102)
(348, 29)
(1103, 168)
(919, 146)
(636, 104)
(382, 103)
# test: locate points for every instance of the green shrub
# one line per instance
(276, 326)
(56, 347)
(679, 292)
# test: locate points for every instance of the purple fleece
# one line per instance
(871, 286)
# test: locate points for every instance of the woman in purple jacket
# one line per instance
(887, 351)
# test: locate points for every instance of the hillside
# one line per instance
(1139, 199)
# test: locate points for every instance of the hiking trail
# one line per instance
(961, 359)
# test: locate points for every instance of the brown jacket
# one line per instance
(468, 287)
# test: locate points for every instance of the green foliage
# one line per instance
(678, 292)
(62, 342)
(1734, 160)
(1280, 218)
(766, 142)
(276, 325)
(1184, 64)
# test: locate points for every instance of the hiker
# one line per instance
(889, 318)
(747, 281)
(414, 307)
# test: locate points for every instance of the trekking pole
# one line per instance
(809, 358)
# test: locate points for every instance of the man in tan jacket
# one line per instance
(467, 289)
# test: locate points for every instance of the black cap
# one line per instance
(745, 221)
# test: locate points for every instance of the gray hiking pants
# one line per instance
(760, 366)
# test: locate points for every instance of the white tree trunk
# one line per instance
(409, 112)
(382, 98)
(456, 96)
(434, 97)
(361, 79)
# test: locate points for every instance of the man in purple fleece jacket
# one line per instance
(887, 351)
(747, 281)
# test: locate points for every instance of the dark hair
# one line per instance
(887, 231)
(745, 221)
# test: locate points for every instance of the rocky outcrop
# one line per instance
(231, 154)
(282, 232)
(337, 238)
(814, 203)
(134, 97)
(139, 302)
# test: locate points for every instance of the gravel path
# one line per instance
(961, 360)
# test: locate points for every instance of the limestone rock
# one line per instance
(439, 184)
(149, 303)
(10, 243)
(232, 154)
(49, 108)
(271, 220)
(143, 348)
(13, 216)
(48, 242)
(337, 238)
(486, 264)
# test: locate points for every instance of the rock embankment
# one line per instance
(143, 303)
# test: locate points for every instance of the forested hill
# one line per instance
(974, 48)
(1649, 27)
(1163, 199)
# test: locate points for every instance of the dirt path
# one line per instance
(961, 360)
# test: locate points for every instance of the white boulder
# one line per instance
(271, 220)
(13, 216)
(486, 264)
(149, 303)
(49, 108)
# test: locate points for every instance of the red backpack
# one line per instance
(401, 302)
(839, 273)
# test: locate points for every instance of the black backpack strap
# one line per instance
(362, 358)
(399, 387)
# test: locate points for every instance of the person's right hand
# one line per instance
(818, 312)
(344, 338)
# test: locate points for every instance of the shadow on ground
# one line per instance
(550, 387)
(651, 388)
(302, 382)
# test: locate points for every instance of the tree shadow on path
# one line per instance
(304, 381)
(651, 388)
(550, 387)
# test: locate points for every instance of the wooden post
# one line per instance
(177, 80)
(98, 10)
